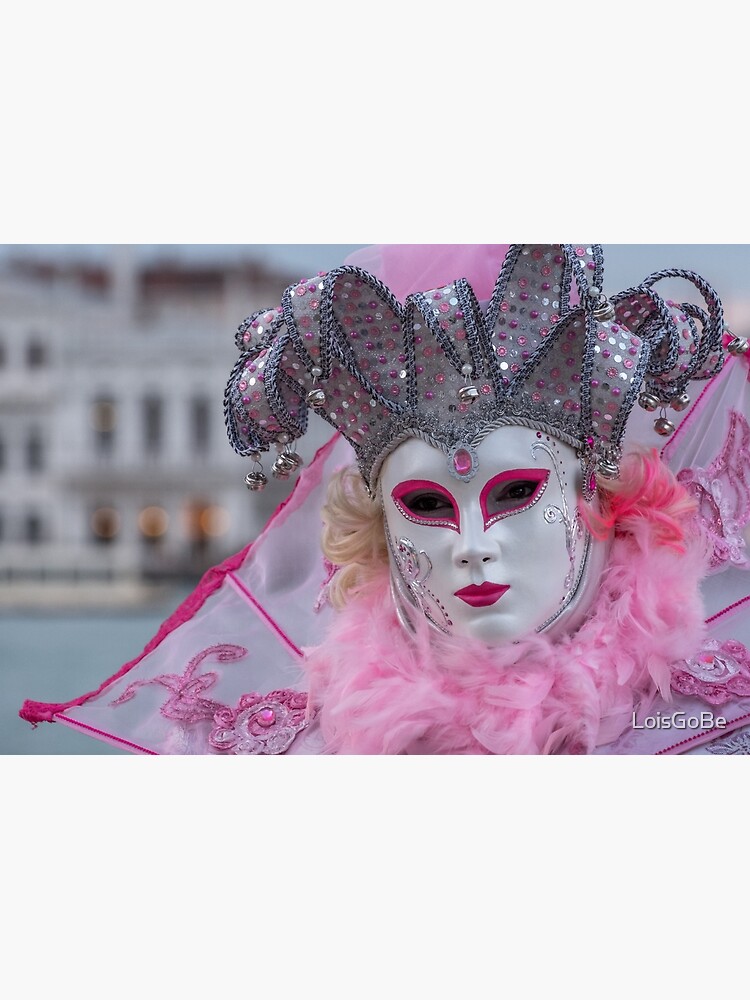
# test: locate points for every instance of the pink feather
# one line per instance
(381, 692)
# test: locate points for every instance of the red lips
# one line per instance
(483, 596)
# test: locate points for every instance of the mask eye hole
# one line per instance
(426, 503)
(511, 493)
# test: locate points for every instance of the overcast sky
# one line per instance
(725, 266)
(302, 257)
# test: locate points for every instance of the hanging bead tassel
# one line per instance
(287, 461)
(680, 402)
(604, 311)
(607, 468)
(663, 426)
(738, 346)
(316, 398)
(256, 480)
(468, 393)
(649, 401)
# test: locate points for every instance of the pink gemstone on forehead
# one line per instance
(462, 462)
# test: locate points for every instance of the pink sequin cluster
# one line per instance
(260, 724)
(717, 675)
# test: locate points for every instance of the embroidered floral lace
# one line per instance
(260, 724)
(723, 495)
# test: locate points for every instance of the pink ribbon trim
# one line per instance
(274, 626)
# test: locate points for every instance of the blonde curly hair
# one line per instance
(353, 535)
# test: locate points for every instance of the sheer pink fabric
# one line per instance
(415, 267)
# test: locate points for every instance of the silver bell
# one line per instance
(604, 310)
(649, 401)
(316, 398)
(680, 402)
(284, 466)
(738, 346)
(280, 470)
(256, 481)
(468, 394)
(663, 426)
(607, 469)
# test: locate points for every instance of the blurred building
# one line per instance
(115, 468)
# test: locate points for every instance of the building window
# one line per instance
(36, 354)
(32, 529)
(200, 429)
(2, 454)
(152, 524)
(2, 355)
(103, 420)
(105, 525)
(34, 452)
(153, 424)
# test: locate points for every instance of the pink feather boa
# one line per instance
(379, 691)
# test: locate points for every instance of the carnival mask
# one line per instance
(499, 556)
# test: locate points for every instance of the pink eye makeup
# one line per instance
(512, 492)
(425, 502)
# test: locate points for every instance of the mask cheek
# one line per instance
(533, 561)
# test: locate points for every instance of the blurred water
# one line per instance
(57, 657)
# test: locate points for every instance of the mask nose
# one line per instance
(474, 547)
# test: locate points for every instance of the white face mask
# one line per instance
(500, 556)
